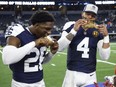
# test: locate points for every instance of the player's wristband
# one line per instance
(73, 32)
(106, 39)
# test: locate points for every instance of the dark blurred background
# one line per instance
(12, 11)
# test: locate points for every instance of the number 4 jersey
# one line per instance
(82, 49)
(29, 69)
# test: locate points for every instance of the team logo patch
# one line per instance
(93, 7)
(95, 33)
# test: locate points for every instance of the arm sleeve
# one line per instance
(104, 53)
(63, 41)
(47, 58)
(11, 54)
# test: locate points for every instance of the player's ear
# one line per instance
(36, 25)
(83, 15)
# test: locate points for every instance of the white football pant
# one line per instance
(19, 84)
(78, 79)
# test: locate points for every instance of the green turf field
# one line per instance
(54, 71)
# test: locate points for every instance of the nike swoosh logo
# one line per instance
(91, 74)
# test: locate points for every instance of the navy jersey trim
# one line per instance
(69, 29)
(26, 77)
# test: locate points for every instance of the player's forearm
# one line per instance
(105, 53)
(11, 54)
(64, 41)
(106, 41)
(104, 48)
(47, 58)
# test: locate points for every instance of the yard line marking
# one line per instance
(113, 43)
(106, 62)
(114, 51)
(62, 53)
(53, 64)
(97, 59)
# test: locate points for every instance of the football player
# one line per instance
(26, 50)
(83, 38)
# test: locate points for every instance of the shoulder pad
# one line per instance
(68, 24)
(14, 30)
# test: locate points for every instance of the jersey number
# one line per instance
(36, 65)
(83, 46)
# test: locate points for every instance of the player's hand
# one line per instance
(102, 29)
(54, 47)
(79, 23)
(43, 41)
(108, 84)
